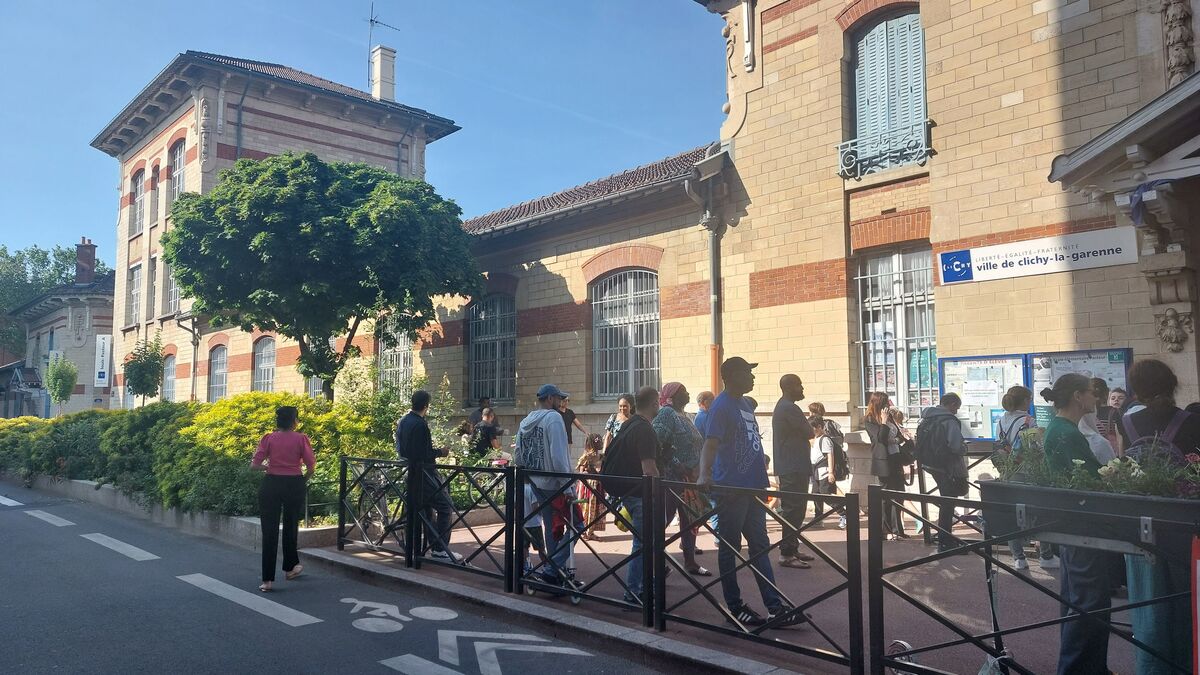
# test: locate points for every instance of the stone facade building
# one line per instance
(198, 116)
(66, 322)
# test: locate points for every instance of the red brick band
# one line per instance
(621, 257)
(683, 300)
(890, 228)
(807, 282)
(783, 9)
(229, 152)
(791, 39)
(860, 9)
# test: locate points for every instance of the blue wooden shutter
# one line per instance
(906, 64)
(871, 82)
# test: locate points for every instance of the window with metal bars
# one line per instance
(264, 365)
(172, 292)
(395, 363)
(168, 381)
(218, 363)
(133, 295)
(625, 333)
(897, 338)
(492, 349)
(315, 387)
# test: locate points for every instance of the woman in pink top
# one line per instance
(280, 453)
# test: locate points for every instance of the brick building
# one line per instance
(870, 148)
(199, 115)
(72, 322)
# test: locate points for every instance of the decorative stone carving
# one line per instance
(205, 132)
(1181, 56)
(1173, 329)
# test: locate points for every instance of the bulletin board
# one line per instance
(981, 382)
(1112, 365)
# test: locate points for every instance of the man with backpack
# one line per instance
(942, 452)
(634, 454)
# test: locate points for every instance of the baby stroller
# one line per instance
(535, 539)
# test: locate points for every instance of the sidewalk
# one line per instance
(955, 587)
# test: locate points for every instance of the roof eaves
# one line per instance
(110, 128)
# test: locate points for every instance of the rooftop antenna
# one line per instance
(372, 22)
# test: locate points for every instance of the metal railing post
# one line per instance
(510, 499)
(854, 595)
(875, 575)
(926, 531)
(658, 554)
(341, 531)
(412, 526)
(520, 543)
(650, 523)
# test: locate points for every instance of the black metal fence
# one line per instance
(526, 529)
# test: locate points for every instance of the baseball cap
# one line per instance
(735, 364)
(548, 390)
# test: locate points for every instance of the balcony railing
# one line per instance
(870, 154)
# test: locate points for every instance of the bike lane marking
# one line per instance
(257, 603)
(50, 518)
(127, 550)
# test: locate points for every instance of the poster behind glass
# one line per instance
(981, 382)
(1110, 365)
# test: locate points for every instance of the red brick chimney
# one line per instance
(85, 262)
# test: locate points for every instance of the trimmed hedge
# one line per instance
(189, 455)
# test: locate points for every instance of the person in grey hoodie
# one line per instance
(542, 446)
(941, 431)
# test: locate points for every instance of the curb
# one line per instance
(656, 649)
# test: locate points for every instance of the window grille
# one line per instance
(625, 333)
(137, 211)
(172, 292)
(218, 361)
(133, 295)
(264, 365)
(315, 387)
(178, 160)
(492, 336)
(395, 363)
(897, 339)
(168, 380)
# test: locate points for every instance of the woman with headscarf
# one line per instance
(679, 454)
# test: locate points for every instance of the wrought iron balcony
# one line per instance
(897, 147)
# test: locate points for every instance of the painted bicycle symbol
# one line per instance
(381, 617)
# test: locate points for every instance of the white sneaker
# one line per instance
(842, 522)
(446, 555)
(1050, 563)
(1021, 564)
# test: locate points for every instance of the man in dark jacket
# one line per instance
(633, 453)
(791, 435)
(414, 443)
(943, 453)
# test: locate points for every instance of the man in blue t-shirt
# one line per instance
(733, 457)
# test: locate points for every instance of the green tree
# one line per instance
(312, 250)
(25, 274)
(61, 376)
(144, 367)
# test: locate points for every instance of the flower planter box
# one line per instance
(1170, 522)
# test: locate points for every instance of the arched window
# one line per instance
(492, 355)
(218, 363)
(152, 208)
(889, 98)
(264, 365)
(395, 363)
(168, 380)
(137, 209)
(624, 332)
(178, 159)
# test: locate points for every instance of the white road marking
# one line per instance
(433, 613)
(489, 663)
(249, 600)
(448, 641)
(50, 518)
(119, 546)
(411, 664)
(5, 501)
(374, 625)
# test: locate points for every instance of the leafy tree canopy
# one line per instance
(312, 250)
(25, 274)
(61, 376)
(144, 367)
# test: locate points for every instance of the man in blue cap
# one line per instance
(733, 457)
(542, 446)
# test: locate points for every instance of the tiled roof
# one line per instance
(666, 170)
(307, 79)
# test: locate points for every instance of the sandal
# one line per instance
(699, 571)
(265, 587)
(794, 563)
(294, 572)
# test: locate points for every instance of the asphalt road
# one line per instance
(88, 590)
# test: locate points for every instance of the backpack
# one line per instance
(933, 443)
(1006, 444)
(1157, 444)
(841, 462)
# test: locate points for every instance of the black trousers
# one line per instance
(792, 509)
(1087, 583)
(286, 494)
(892, 521)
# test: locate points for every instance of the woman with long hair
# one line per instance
(613, 425)
(885, 458)
(281, 454)
(1086, 573)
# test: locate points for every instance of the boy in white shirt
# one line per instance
(823, 477)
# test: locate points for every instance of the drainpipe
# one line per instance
(237, 155)
(705, 173)
(179, 320)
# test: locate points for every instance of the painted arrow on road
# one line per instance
(489, 663)
(448, 641)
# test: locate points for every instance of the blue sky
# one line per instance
(550, 93)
